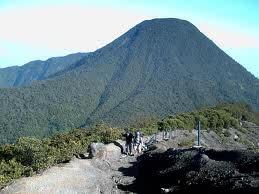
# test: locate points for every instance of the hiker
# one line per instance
(129, 142)
(138, 141)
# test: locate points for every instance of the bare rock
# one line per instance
(95, 149)
(105, 152)
(188, 170)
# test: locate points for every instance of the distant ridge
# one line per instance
(36, 70)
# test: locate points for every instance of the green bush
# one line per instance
(149, 130)
(32, 152)
(12, 169)
(219, 117)
(107, 133)
(148, 126)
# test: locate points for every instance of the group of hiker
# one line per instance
(134, 143)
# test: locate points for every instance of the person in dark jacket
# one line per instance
(129, 142)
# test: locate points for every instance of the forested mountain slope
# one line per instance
(159, 67)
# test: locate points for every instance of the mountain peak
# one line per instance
(166, 24)
(166, 21)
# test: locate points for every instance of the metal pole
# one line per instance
(199, 129)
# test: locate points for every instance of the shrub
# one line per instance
(107, 133)
(149, 130)
(12, 169)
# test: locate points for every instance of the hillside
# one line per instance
(36, 70)
(159, 67)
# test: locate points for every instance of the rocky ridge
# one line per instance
(170, 166)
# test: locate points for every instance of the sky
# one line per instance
(40, 29)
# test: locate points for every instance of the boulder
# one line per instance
(95, 149)
(106, 152)
(111, 152)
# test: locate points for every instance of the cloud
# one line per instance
(229, 37)
(72, 28)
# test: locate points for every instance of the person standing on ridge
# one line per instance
(129, 142)
(138, 141)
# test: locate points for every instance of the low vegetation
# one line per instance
(219, 117)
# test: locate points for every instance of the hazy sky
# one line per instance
(35, 29)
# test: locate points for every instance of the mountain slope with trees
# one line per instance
(159, 67)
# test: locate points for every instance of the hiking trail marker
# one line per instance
(198, 145)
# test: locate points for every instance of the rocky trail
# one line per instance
(169, 165)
